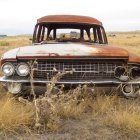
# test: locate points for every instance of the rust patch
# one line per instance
(110, 52)
(46, 53)
(69, 19)
(134, 58)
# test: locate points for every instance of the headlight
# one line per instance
(119, 71)
(8, 69)
(23, 69)
(134, 72)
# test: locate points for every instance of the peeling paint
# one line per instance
(70, 49)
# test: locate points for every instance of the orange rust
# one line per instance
(109, 52)
(69, 19)
(133, 58)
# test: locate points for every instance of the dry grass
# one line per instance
(79, 113)
(14, 116)
(125, 118)
(4, 43)
(13, 42)
(104, 113)
(128, 40)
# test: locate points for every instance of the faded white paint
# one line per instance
(64, 49)
(10, 54)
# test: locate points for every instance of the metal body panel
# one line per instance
(68, 50)
(134, 58)
(71, 50)
(68, 19)
(11, 54)
(107, 81)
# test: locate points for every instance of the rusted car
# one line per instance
(81, 58)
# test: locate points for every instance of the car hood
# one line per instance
(70, 50)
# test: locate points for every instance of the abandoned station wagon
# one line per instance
(74, 47)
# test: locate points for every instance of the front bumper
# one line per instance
(96, 82)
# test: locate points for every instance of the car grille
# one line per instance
(77, 70)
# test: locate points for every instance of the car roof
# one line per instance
(69, 19)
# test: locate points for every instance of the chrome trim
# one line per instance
(8, 63)
(80, 70)
(4, 79)
(17, 69)
(72, 58)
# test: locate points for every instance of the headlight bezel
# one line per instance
(20, 73)
(12, 66)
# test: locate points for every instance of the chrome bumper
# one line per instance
(114, 81)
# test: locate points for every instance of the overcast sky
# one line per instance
(19, 16)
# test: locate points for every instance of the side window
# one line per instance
(104, 35)
(100, 39)
(85, 35)
(45, 34)
(38, 34)
(35, 34)
(91, 34)
(51, 35)
(99, 35)
(95, 34)
(42, 33)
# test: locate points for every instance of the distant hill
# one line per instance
(3, 36)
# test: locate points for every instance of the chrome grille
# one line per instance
(81, 70)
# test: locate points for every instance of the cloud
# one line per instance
(19, 16)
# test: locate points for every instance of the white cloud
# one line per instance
(19, 16)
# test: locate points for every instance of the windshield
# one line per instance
(51, 33)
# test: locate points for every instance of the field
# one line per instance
(81, 113)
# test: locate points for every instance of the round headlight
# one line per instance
(23, 69)
(134, 72)
(8, 69)
(119, 71)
